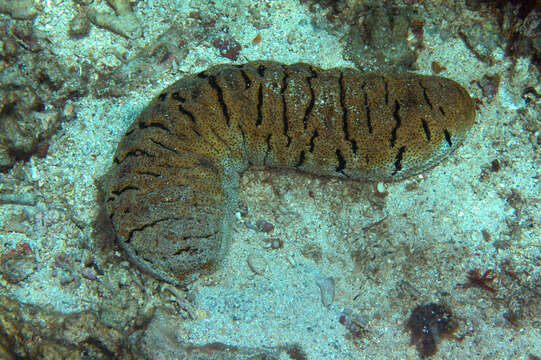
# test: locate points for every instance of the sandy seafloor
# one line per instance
(387, 255)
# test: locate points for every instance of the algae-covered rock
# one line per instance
(380, 41)
(19, 9)
(24, 123)
(123, 22)
(79, 26)
(161, 340)
(34, 89)
(32, 332)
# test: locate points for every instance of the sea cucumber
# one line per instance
(172, 188)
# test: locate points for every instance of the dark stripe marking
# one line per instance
(126, 188)
(398, 121)
(311, 103)
(191, 116)
(425, 95)
(219, 92)
(176, 96)
(301, 159)
(164, 146)
(367, 109)
(447, 137)
(312, 144)
(345, 113)
(261, 70)
(128, 240)
(191, 250)
(148, 173)
(154, 125)
(187, 113)
(398, 160)
(341, 162)
(441, 111)
(426, 130)
(247, 81)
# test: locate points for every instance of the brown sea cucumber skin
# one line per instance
(171, 190)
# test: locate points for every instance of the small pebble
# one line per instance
(381, 190)
(354, 323)
(264, 226)
(66, 278)
(68, 109)
(69, 112)
(79, 26)
(273, 243)
(276, 243)
(259, 225)
(89, 273)
(250, 225)
(327, 290)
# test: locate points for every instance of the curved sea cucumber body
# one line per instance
(171, 190)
